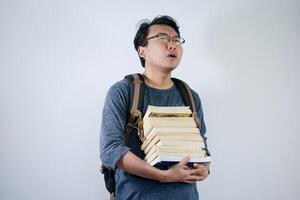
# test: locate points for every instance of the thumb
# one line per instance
(185, 160)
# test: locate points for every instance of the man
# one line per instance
(159, 47)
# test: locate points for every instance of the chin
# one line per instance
(173, 65)
(170, 68)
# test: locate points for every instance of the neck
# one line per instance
(158, 79)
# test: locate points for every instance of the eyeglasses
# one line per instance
(166, 38)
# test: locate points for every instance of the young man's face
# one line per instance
(162, 52)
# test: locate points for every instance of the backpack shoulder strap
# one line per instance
(188, 98)
(136, 104)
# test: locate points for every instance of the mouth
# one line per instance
(171, 55)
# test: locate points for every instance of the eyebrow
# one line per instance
(167, 34)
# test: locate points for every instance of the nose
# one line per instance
(171, 45)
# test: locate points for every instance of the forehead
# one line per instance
(160, 28)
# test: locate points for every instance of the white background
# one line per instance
(58, 59)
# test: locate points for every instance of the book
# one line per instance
(165, 165)
(151, 122)
(187, 140)
(170, 151)
(163, 159)
(168, 111)
(169, 130)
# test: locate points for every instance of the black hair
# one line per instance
(140, 38)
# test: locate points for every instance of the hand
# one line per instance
(182, 173)
(201, 171)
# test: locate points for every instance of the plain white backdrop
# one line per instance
(58, 59)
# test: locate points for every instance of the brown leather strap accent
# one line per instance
(134, 112)
(137, 83)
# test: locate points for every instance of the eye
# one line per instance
(164, 38)
(177, 40)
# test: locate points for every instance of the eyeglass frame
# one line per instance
(169, 39)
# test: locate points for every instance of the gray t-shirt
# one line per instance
(112, 146)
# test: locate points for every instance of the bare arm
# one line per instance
(177, 173)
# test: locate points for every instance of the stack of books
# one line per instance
(170, 134)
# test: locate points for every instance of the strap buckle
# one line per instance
(136, 122)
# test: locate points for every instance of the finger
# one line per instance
(185, 160)
(186, 167)
(202, 173)
(194, 178)
(197, 165)
(197, 171)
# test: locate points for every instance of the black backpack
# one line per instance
(135, 118)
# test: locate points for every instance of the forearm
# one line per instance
(177, 173)
(134, 165)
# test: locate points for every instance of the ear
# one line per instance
(141, 51)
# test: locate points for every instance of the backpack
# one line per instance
(135, 121)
